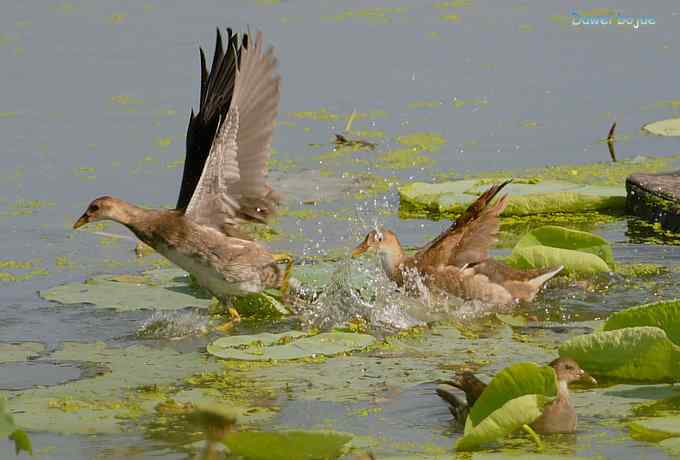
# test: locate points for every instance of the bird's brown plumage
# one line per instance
(224, 180)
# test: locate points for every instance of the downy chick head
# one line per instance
(382, 240)
(102, 208)
(568, 370)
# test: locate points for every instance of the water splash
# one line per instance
(173, 325)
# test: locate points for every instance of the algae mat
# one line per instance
(525, 199)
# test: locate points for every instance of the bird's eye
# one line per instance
(94, 207)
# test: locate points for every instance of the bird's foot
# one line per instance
(285, 284)
(234, 319)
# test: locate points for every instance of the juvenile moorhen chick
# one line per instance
(224, 181)
(457, 260)
(559, 416)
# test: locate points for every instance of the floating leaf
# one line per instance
(503, 421)
(287, 445)
(167, 289)
(551, 246)
(656, 429)
(288, 345)
(633, 353)
(669, 127)
(21, 442)
(564, 238)
(664, 315)
(516, 380)
(525, 199)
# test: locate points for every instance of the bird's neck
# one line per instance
(391, 258)
(562, 389)
(129, 214)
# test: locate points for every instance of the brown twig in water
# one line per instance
(610, 142)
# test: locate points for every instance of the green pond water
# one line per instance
(95, 98)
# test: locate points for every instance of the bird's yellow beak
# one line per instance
(586, 377)
(363, 247)
(84, 219)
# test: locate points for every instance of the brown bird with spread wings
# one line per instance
(224, 182)
(457, 261)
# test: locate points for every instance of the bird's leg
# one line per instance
(285, 286)
(234, 317)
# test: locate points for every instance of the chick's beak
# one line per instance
(586, 377)
(84, 219)
(363, 247)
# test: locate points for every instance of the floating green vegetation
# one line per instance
(460, 103)
(8, 114)
(578, 252)
(655, 429)
(9, 264)
(288, 345)
(86, 172)
(404, 158)
(8, 277)
(367, 133)
(325, 115)
(174, 164)
(530, 124)
(641, 270)
(640, 344)
(126, 100)
(286, 445)
(430, 142)
(452, 4)
(424, 104)
(604, 173)
(525, 199)
(374, 15)
(372, 184)
(450, 17)
(28, 207)
(670, 127)
(117, 18)
(164, 142)
(526, 28)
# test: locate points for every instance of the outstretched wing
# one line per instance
(468, 239)
(232, 186)
(217, 87)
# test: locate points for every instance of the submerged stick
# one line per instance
(610, 142)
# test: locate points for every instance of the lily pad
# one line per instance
(634, 353)
(9, 429)
(525, 199)
(668, 127)
(656, 429)
(639, 343)
(514, 381)
(501, 422)
(287, 445)
(166, 289)
(551, 246)
(664, 315)
(288, 345)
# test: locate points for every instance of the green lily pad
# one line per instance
(503, 421)
(166, 289)
(524, 456)
(525, 199)
(668, 127)
(656, 429)
(565, 238)
(288, 345)
(514, 381)
(551, 246)
(638, 343)
(634, 353)
(672, 446)
(664, 315)
(287, 445)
